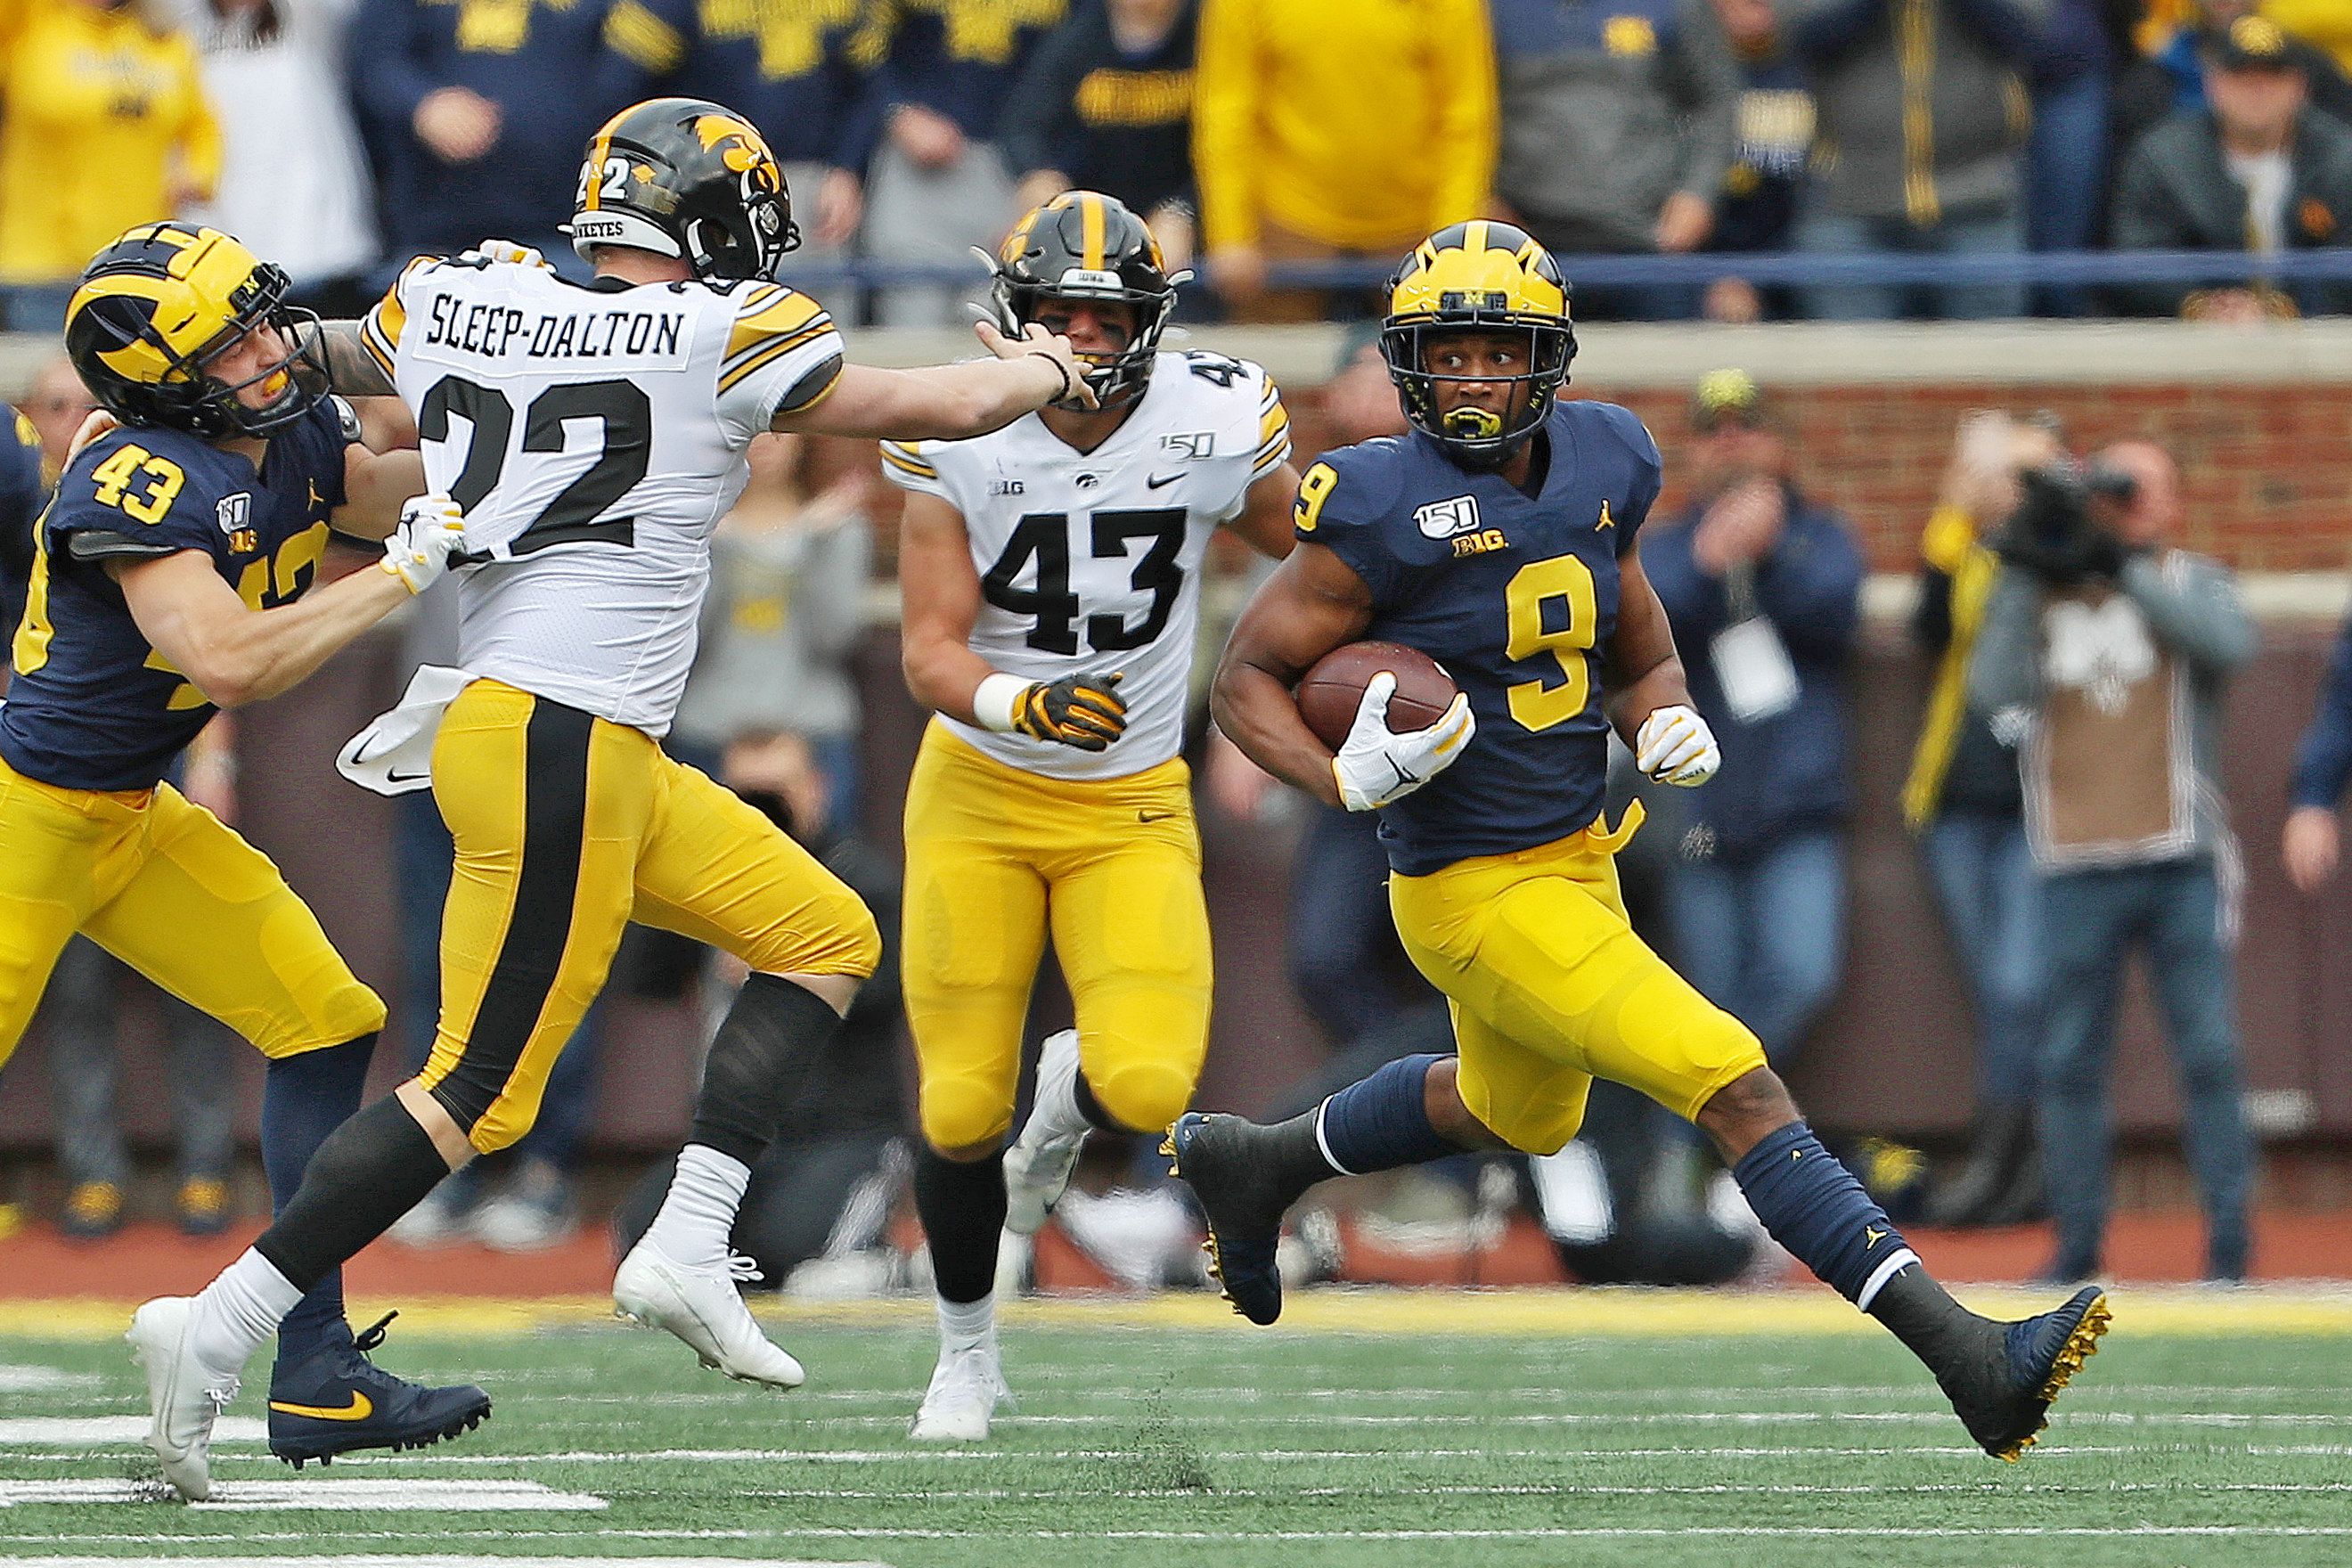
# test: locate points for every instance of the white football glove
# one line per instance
(1675, 746)
(431, 529)
(505, 250)
(1376, 765)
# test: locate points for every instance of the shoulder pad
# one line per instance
(1353, 487)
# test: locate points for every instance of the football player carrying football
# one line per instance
(172, 576)
(594, 435)
(1497, 537)
(1052, 583)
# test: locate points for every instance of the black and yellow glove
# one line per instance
(1082, 710)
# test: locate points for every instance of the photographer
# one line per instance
(2110, 651)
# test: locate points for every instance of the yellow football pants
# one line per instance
(1549, 988)
(568, 827)
(995, 857)
(163, 886)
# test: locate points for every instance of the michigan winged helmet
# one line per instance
(1481, 277)
(685, 177)
(157, 307)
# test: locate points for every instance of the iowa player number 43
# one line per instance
(1045, 536)
(1552, 608)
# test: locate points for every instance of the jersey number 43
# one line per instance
(1045, 537)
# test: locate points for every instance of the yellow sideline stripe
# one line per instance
(1534, 1313)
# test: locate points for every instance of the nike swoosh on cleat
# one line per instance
(359, 1409)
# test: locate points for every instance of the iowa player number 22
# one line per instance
(1552, 611)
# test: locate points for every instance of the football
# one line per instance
(1328, 696)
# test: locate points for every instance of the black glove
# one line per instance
(1082, 710)
(2050, 535)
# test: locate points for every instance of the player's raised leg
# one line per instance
(714, 870)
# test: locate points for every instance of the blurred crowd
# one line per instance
(1283, 144)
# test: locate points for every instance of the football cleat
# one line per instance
(2003, 1388)
(333, 1399)
(1037, 1167)
(702, 1307)
(1242, 1204)
(967, 1388)
(183, 1396)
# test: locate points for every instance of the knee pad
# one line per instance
(1143, 1096)
(962, 1116)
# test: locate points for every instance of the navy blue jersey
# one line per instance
(21, 495)
(1517, 598)
(92, 706)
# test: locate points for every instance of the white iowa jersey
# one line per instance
(1092, 560)
(594, 437)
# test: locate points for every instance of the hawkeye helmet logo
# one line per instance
(1444, 519)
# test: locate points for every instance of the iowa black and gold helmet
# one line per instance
(685, 177)
(1083, 245)
(1482, 276)
(158, 306)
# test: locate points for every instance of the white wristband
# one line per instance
(993, 703)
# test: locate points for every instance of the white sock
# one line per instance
(696, 1217)
(239, 1311)
(966, 1325)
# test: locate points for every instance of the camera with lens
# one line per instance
(2055, 533)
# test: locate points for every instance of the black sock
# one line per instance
(1922, 1314)
(304, 1099)
(962, 1209)
(370, 1171)
(759, 1059)
(1297, 1155)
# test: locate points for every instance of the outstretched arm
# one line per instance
(947, 402)
(1314, 603)
(234, 655)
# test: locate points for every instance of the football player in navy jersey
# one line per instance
(171, 577)
(1497, 537)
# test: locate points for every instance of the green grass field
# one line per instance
(2215, 1431)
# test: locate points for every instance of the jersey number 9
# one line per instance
(1552, 611)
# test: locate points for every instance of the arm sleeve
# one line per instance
(2200, 618)
(1040, 122)
(2001, 667)
(1469, 121)
(1224, 124)
(118, 500)
(1812, 585)
(381, 328)
(909, 465)
(392, 84)
(782, 355)
(1695, 603)
(2323, 763)
(1649, 473)
(1273, 432)
(1343, 500)
(1709, 88)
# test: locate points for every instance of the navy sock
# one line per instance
(303, 1100)
(1381, 1122)
(1814, 1207)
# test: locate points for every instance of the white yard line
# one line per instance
(92, 1431)
(437, 1561)
(327, 1496)
(42, 1380)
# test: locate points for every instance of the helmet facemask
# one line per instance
(185, 395)
(1480, 439)
(1115, 379)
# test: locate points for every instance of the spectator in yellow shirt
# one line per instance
(1327, 129)
(102, 125)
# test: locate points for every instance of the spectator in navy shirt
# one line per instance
(1755, 210)
(939, 184)
(474, 113)
(1762, 588)
(1106, 105)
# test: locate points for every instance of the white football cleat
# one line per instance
(182, 1398)
(702, 1307)
(965, 1391)
(1037, 1167)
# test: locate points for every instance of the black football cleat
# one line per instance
(2004, 1386)
(335, 1400)
(1242, 1197)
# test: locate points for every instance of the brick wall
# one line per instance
(2268, 468)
